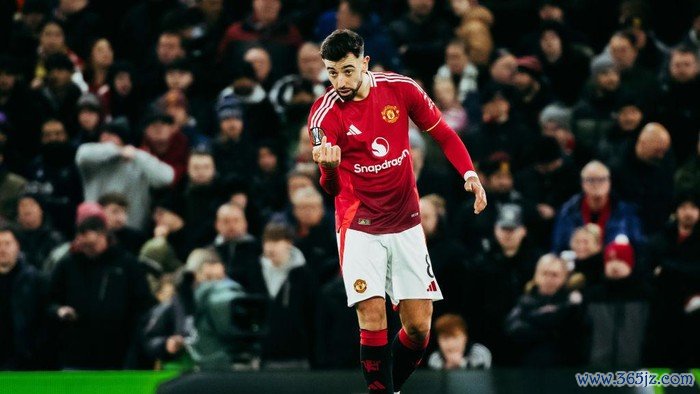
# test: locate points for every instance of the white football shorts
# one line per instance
(395, 264)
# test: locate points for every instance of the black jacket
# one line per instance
(26, 304)
(674, 331)
(546, 329)
(109, 295)
(290, 315)
(38, 244)
(239, 257)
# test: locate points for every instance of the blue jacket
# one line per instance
(623, 220)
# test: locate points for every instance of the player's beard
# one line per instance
(352, 94)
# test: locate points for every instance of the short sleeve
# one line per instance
(421, 108)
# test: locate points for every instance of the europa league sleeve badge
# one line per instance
(316, 135)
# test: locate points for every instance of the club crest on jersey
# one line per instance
(380, 147)
(360, 286)
(390, 113)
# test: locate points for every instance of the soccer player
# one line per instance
(380, 240)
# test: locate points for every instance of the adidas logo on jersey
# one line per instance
(353, 130)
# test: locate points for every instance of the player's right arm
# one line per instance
(324, 153)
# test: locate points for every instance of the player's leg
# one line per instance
(414, 285)
(364, 269)
(375, 354)
(411, 341)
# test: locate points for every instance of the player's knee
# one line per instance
(372, 312)
(418, 330)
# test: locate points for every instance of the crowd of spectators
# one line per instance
(150, 146)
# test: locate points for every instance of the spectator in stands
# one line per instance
(680, 100)
(174, 104)
(675, 253)
(141, 27)
(618, 309)
(534, 92)
(89, 119)
(171, 322)
(586, 244)
(52, 41)
(237, 249)
(459, 68)
(629, 120)
(496, 279)
(181, 75)
(555, 121)
(82, 25)
(547, 322)
(447, 255)
(22, 306)
(113, 166)
(165, 141)
(266, 26)
(644, 176)
(232, 151)
(314, 227)
(358, 16)
(565, 66)
(293, 95)
(169, 49)
(59, 95)
(593, 115)
(21, 111)
(268, 187)
(171, 235)
(549, 182)
(421, 35)
(446, 100)
(54, 176)
(596, 205)
(11, 188)
(96, 71)
(99, 293)
(634, 77)
(116, 209)
(501, 129)
(283, 276)
(687, 178)
(497, 179)
(36, 233)
(456, 351)
(124, 98)
(202, 194)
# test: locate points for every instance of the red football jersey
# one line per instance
(378, 188)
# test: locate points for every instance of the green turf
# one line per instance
(117, 382)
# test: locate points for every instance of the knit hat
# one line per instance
(530, 65)
(620, 250)
(58, 61)
(601, 64)
(89, 209)
(89, 101)
(171, 202)
(229, 107)
(556, 114)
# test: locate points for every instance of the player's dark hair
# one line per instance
(341, 42)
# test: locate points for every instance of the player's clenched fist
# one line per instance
(326, 155)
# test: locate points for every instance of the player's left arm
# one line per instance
(428, 117)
